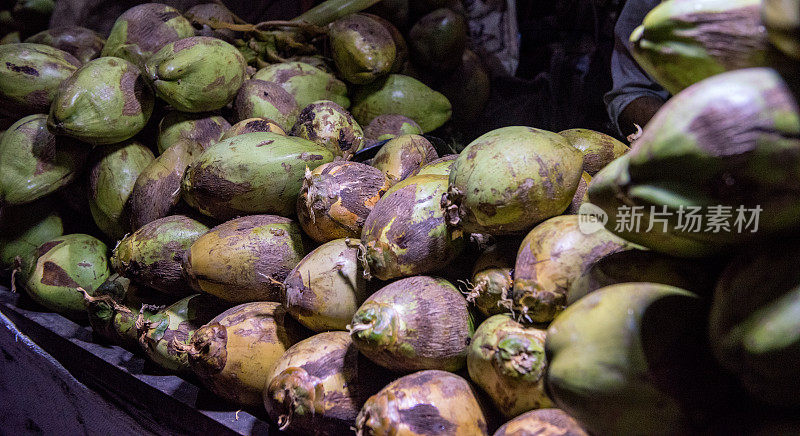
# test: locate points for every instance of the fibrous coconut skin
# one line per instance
(233, 353)
(413, 324)
(245, 259)
(403, 155)
(337, 197)
(319, 385)
(423, 403)
(329, 125)
(492, 282)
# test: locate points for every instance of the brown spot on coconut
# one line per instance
(416, 404)
(319, 385)
(581, 195)
(388, 126)
(251, 125)
(337, 197)
(598, 149)
(542, 422)
(233, 353)
(329, 125)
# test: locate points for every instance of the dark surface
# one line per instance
(129, 387)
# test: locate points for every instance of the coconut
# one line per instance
(403, 155)
(201, 130)
(245, 259)
(363, 49)
(251, 125)
(423, 403)
(319, 385)
(542, 421)
(85, 44)
(404, 95)
(326, 288)
(265, 99)
(306, 83)
(388, 126)
(492, 280)
(438, 40)
(233, 353)
(329, 125)
(142, 30)
(598, 149)
(337, 197)
(22, 230)
(412, 324)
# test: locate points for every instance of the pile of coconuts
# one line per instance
(191, 186)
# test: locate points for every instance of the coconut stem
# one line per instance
(331, 10)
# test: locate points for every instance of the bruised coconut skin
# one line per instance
(258, 172)
(85, 44)
(510, 179)
(581, 195)
(598, 149)
(35, 163)
(363, 49)
(202, 130)
(30, 75)
(245, 259)
(106, 101)
(403, 155)
(424, 403)
(306, 83)
(492, 280)
(210, 12)
(542, 422)
(329, 125)
(337, 197)
(162, 334)
(263, 99)
(406, 233)
(437, 167)
(112, 177)
(681, 42)
(326, 288)
(319, 385)
(197, 74)
(553, 255)
(251, 125)
(152, 255)
(233, 353)
(413, 324)
(158, 188)
(507, 361)
(63, 265)
(388, 126)
(142, 30)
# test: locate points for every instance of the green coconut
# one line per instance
(85, 44)
(306, 83)
(363, 49)
(263, 99)
(142, 30)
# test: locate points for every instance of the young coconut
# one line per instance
(403, 155)
(553, 255)
(536, 171)
(142, 30)
(492, 281)
(424, 403)
(337, 197)
(259, 172)
(201, 130)
(162, 334)
(598, 149)
(329, 125)
(85, 44)
(207, 13)
(245, 259)
(319, 385)
(506, 359)
(414, 323)
(65, 264)
(438, 40)
(326, 288)
(406, 233)
(152, 255)
(112, 177)
(22, 230)
(388, 126)
(233, 353)
(30, 77)
(363, 49)
(197, 74)
(123, 111)
(251, 125)
(306, 83)
(157, 190)
(542, 422)
(263, 99)
(581, 195)
(35, 163)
